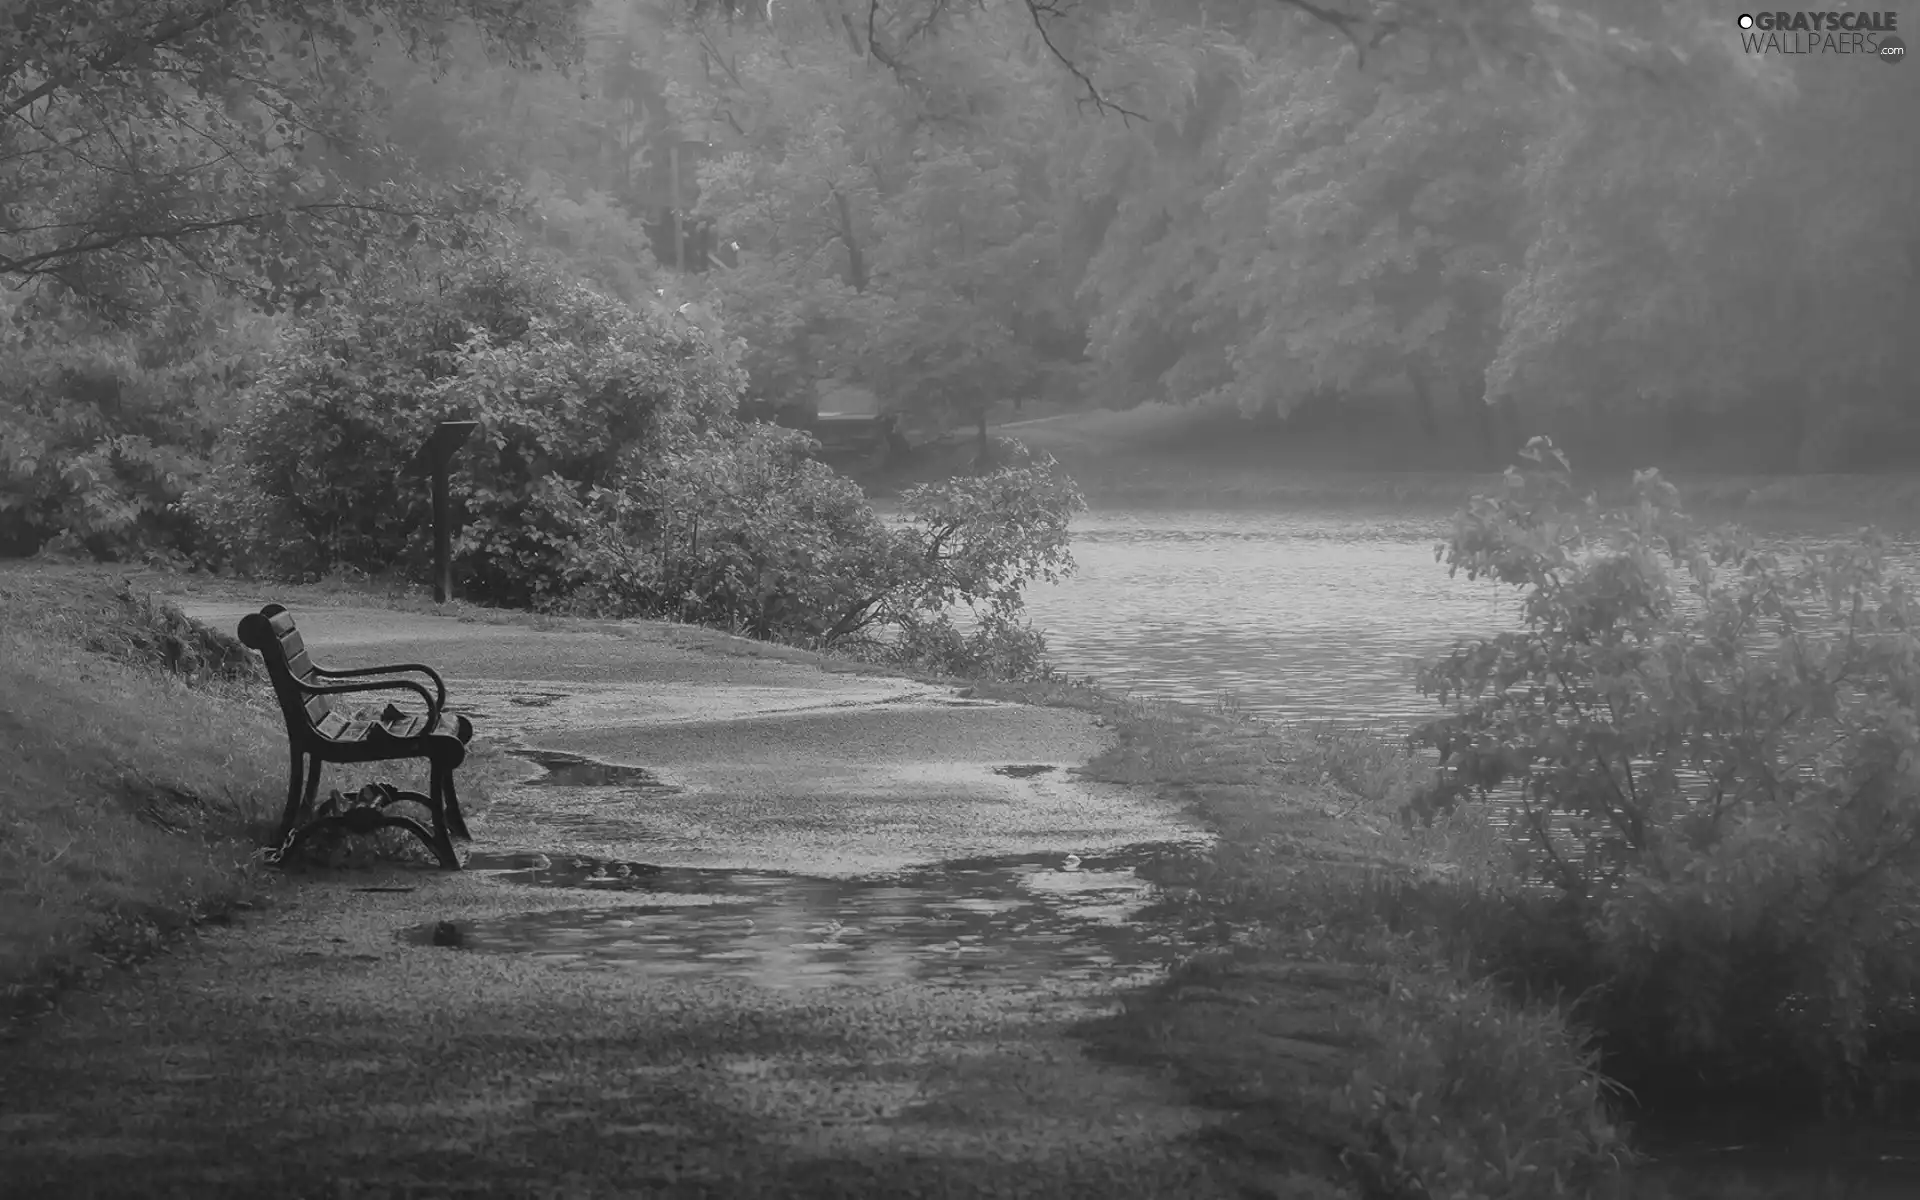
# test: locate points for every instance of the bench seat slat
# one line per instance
(406, 725)
(345, 727)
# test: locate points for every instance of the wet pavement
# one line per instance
(1038, 923)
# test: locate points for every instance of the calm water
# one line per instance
(1302, 615)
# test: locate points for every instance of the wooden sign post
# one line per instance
(437, 453)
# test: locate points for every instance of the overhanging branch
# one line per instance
(39, 263)
(1039, 10)
(158, 37)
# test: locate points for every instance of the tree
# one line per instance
(144, 145)
(887, 183)
(1687, 261)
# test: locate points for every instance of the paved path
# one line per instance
(324, 1047)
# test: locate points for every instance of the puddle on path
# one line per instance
(1036, 921)
(573, 770)
(1025, 771)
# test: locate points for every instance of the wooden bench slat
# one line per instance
(331, 725)
(405, 725)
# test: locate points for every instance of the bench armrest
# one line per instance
(331, 689)
(439, 684)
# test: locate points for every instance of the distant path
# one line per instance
(311, 1050)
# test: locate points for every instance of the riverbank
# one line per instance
(1158, 456)
(1323, 1043)
(1304, 1040)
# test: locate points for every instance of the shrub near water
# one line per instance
(1710, 749)
(746, 532)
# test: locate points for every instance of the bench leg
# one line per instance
(299, 800)
(440, 788)
(455, 822)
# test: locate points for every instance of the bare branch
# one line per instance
(1040, 9)
(46, 261)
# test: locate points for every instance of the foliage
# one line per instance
(746, 532)
(998, 646)
(102, 429)
(981, 539)
(895, 226)
(570, 390)
(1709, 750)
(1460, 1094)
(147, 146)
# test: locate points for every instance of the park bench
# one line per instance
(324, 727)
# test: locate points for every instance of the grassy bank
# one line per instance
(133, 800)
(1354, 1053)
(145, 767)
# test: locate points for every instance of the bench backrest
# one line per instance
(272, 633)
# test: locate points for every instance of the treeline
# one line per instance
(1462, 228)
(1609, 224)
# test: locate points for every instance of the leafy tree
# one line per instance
(572, 391)
(1308, 229)
(1682, 267)
(143, 145)
(890, 195)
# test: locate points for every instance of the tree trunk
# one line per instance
(1423, 403)
(856, 262)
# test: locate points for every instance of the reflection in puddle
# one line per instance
(1027, 921)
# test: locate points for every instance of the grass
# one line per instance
(132, 802)
(1328, 1018)
(145, 769)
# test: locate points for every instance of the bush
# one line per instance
(1460, 1094)
(746, 532)
(572, 391)
(102, 430)
(742, 531)
(1709, 750)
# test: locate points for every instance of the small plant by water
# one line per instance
(1711, 757)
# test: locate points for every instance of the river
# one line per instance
(1300, 615)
